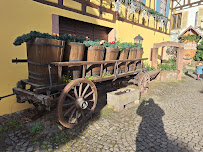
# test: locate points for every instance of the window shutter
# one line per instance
(143, 1)
(167, 7)
(158, 5)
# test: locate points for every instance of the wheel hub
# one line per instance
(81, 103)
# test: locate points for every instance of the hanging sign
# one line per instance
(190, 46)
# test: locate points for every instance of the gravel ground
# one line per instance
(169, 118)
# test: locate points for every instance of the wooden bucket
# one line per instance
(138, 56)
(40, 53)
(111, 54)
(73, 52)
(123, 56)
(95, 53)
(132, 55)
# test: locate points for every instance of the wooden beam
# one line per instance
(78, 63)
(179, 62)
(154, 57)
(163, 44)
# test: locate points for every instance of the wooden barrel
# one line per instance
(132, 55)
(40, 53)
(111, 54)
(74, 51)
(139, 55)
(123, 56)
(95, 53)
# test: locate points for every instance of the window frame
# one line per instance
(176, 26)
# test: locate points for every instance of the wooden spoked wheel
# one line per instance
(77, 102)
(143, 83)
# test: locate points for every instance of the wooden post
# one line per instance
(59, 73)
(179, 62)
(101, 71)
(163, 53)
(84, 71)
(139, 55)
(154, 57)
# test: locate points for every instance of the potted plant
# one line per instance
(95, 52)
(42, 49)
(112, 52)
(124, 50)
(74, 51)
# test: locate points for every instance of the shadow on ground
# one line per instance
(151, 134)
(17, 133)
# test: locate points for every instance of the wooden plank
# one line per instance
(78, 63)
(84, 70)
(54, 88)
(25, 95)
(59, 73)
(118, 76)
(163, 44)
(32, 84)
(101, 71)
(126, 67)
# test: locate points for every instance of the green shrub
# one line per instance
(36, 128)
(34, 34)
(199, 54)
(168, 65)
(148, 67)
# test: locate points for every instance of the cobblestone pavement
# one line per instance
(170, 118)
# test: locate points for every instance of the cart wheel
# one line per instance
(143, 83)
(77, 102)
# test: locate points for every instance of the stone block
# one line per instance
(123, 98)
(167, 76)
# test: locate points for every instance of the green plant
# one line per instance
(168, 65)
(124, 45)
(66, 78)
(191, 38)
(112, 44)
(148, 67)
(199, 53)
(92, 43)
(36, 128)
(91, 77)
(106, 74)
(151, 11)
(34, 34)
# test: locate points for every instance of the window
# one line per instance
(196, 15)
(177, 21)
(163, 7)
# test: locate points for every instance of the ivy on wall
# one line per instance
(191, 38)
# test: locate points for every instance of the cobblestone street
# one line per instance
(169, 119)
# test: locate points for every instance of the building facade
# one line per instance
(186, 13)
(97, 19)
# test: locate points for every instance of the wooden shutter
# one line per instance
(167, 7)
(184, 19)
(80, 28)
(158, 2)
(200, 16)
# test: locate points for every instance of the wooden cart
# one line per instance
(77, 99)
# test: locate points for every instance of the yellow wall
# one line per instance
(22, 16)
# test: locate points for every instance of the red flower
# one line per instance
(110, 43)
(135, 43)
(123, 43)
(74, 35)
(113, 42)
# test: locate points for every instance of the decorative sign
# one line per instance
(190, 46)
